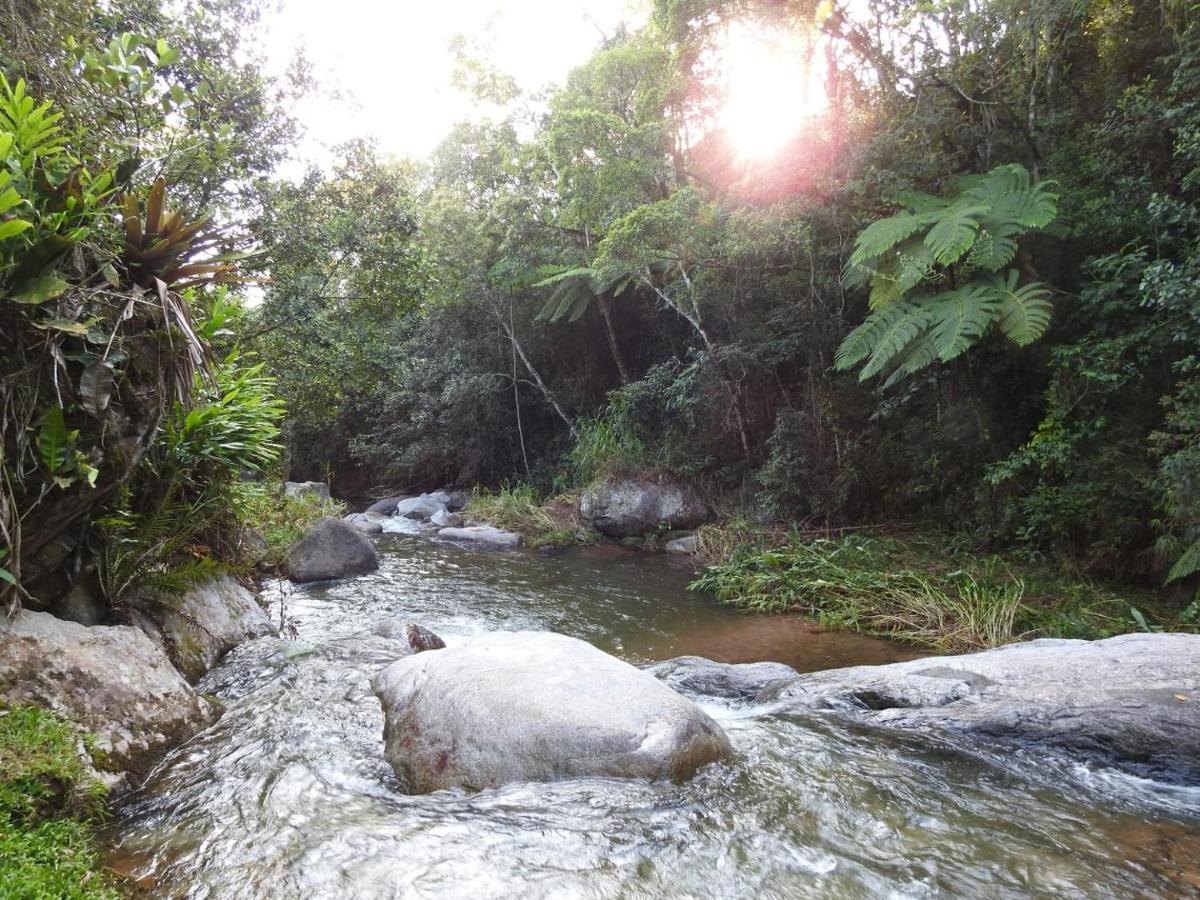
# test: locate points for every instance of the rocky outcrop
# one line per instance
(410, 638)
(362, 522)
(482, 534)
(331, 549)
(534, 706)
(298, 490)
(632, 507)
(202, 624)
(111, 681)
(700, 677)
(1132, 700)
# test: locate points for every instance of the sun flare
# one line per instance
(771, 91)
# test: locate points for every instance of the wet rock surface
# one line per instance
(199, 626)
(112, 681)
(696, 676)
(409, 636)
(535, 706)
(482, 534)
(1131, 700)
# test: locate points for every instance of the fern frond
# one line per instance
(1187, 564)
(857, 345)
(959, 318)
(901, 326)
(954, 233)
(1013, 200)
(1024, 312)
(920, 353)
(881, 236)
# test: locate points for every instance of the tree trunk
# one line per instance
(618, 358)
(534, 374)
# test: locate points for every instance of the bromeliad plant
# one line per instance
(940, 274)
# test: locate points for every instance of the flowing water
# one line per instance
(288, 795)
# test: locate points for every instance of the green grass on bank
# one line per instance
(519, 508)
(279, 519)
(921, 589)
(49, 807)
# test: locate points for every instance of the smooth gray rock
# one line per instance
(456, 500)
(535, 706)
(685, 545)
(700, 677)
(331, 549)
(632, 507)
(409, 637)
(201, 625)
(300, 489)
(362, 522)
(482, 534)
(446, 519)
(420, 508)
(112, 681)
(1132, 700)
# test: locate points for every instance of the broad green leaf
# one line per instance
(39, 290)
(12, 228)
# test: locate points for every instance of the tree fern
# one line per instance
(932, 273)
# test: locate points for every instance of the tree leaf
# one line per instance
(96, 387)
(12, 227)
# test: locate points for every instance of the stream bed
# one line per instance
(288, 795)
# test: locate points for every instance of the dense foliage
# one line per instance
(603, 281)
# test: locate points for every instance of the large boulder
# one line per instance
(331, 549)
(422, 508)
(385, 507)
(112, 681)
(700, 677)
(481, 534)
(534, 706)
(298, 490)
(202, 624)
(1132, 700)
(632, 507)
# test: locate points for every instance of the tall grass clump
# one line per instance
(515, 507)
(609, 444)
(854, 583)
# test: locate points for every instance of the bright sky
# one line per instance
(392, 59)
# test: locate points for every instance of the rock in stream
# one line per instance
(535, 706)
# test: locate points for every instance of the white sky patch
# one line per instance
(392, 64)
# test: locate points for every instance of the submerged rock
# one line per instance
(331, 549)
(633, 507)
(446, 519)
(112, 681)
(482, 534)
(685, 544)
(362, 522)
(409, 636)
(697, 676)
(534, 706)
(1132, 700)
(202, 624)
(298, 490)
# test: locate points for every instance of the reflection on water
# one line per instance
(289, 796)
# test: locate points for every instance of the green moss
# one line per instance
(557, 538)
(49, 806)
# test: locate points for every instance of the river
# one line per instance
(288, 795)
